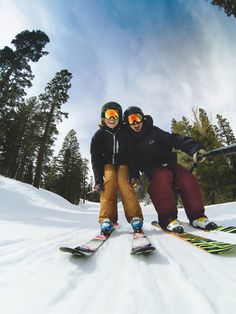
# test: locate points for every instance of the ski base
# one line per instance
(208, 245)
(141, 244)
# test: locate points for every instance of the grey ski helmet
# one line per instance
(111, 105)
(132, 110)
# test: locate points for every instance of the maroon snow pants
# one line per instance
(166, 182)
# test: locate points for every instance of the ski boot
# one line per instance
(137, 224)
(204, 223)
(106, 227)
(175, 227)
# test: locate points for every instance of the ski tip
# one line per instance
(63, 249)
(145, 250)
(71, 250)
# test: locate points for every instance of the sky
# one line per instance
(38, 278)
(165, 56)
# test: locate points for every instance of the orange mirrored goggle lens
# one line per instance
(111, 113)
(134, 118)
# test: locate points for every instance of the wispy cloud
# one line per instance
(165, 56)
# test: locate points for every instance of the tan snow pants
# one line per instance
(116, 179)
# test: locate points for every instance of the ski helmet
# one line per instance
(111, 105)
(132, 110)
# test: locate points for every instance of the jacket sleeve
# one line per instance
(96, 160)
(185, 144)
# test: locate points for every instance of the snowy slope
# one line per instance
(36, 278)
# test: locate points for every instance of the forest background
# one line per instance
(29, 129)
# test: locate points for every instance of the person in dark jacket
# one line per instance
(157, 159)
(112, 165)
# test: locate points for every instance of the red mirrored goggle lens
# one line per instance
(111, 113)
(134, 118)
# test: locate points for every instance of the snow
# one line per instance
(35, 277)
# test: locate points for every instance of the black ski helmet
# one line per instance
(132, 110)
(111, 105)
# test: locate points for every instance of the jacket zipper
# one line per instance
(114, 148)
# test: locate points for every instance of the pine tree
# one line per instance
(32, 120)
(15, 78)
(20, 142)
(70, 169)
(229, 6)
(211, 173)
(183, 127)
(227, 137)
(203, 132)
(56, 94)
(52, 173)
(224, 131)
(15, 71)
(85, 173)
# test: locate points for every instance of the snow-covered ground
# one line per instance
(36, 278)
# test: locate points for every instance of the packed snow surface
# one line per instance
(37, 278)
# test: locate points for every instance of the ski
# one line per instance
(208, 245)
(141, 244)
(89, 247)
(228, 229)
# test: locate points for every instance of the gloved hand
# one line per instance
(134, 182)
(98, 188)
(200, 155)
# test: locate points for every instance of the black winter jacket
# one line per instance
(154, 147)
(110, 146)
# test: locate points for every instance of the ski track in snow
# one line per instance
(37, 278)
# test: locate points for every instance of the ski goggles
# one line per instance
(112, 113)
(135, 117)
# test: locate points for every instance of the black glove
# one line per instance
(200, 155)
(98, 188)
(134, 182)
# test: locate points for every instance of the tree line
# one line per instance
(28, 126)
(28, 131)
(217, 176)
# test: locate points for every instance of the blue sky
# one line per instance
(164, 56)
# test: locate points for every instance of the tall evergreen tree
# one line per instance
(183, 127)
(14, 65)
(215, 184)
(224, 131)
(56, 94)
(208, 172)
(15, 77)
(70, 169)
(29, 141)
(21, 140)
(15, 71)
(227, 137)
(51, 178)
(85, 173)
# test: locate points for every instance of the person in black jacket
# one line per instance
(157, 159)
(112, 165)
